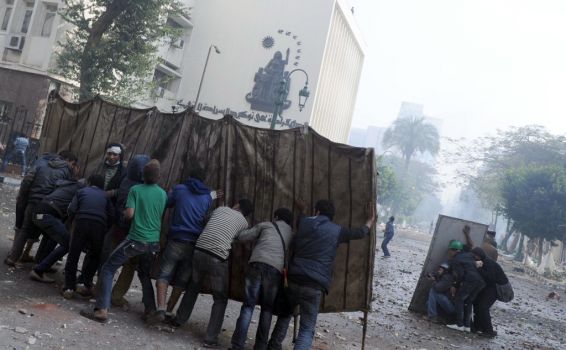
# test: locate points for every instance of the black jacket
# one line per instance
(492, 273)
(43, 179)
(314, 250)
(444, 282)
(62, 196)
(92, 203)
(464, 267)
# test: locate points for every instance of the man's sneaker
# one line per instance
(120, 302)
(156, 317)
(210, 345)
(27, 259)
(456, 327)
(84, 291)
(386, 256)
(435, 320)
(468, 329)
(68, 294)
(98, 315)
(492, 334)
(172, 322)
(40, 277)
(10, 262)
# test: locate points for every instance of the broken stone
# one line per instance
(32, 340)
(21, 330)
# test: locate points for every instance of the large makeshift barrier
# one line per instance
(447, 229)
(272, 168)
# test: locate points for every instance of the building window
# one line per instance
(4, 111)
(27, 17)
(51, 11)
(7, 14)
(161, 81)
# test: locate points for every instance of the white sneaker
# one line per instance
(468, 329)
(456, 327)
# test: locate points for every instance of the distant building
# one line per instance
(372, 136)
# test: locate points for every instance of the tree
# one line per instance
(112, 49)
(534, 197)
(403, 194)
(411, 135)
(485, 161)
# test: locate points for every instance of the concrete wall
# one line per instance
(27, 94)
(339, 79)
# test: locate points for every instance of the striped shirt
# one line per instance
(224, 225)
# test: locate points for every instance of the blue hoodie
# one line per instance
(191, 201)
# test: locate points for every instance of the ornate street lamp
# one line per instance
(283, 91)
(204, 70)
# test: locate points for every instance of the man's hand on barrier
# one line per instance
(301, 205)
(370, 212)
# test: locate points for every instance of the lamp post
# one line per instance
(282, 92)
(204, 70)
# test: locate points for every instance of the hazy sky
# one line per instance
(478, 65)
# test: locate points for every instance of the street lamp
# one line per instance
(204, 70)
(282, 92)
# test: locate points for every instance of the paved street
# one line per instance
(35, 315)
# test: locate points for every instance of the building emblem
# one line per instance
(267, 80)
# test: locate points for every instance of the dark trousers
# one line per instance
(12, 156)
(465, 297)
(87, 233)
(482, 317)
(28, 231)
(261, 286)
(216, 270)
(46, 246)
(386, 239)
(55, 230)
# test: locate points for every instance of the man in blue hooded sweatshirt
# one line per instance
(191, 202)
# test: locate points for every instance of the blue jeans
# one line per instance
(176, 263)
(386, 239)
(11, 156)
(436, 299)
(55, 229)
(309, 301)
(261, 285)
(123, 252)
(206, 266)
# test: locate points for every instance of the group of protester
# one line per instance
(466, 284)
(116, 217)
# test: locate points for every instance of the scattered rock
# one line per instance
(32, 340)
(23, 311)
(21, 330)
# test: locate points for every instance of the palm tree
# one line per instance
(411, 135)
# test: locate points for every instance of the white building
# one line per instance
(256, 44)
(259, 43)
(28, 36)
